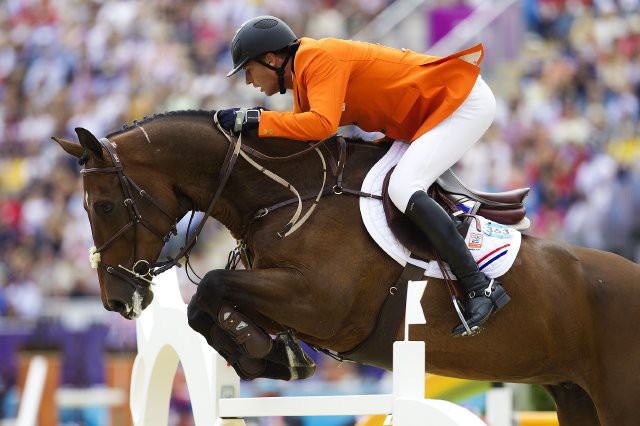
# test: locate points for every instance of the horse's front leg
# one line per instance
(279, 294)
(246, 367)
(282, 295)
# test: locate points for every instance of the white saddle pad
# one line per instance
(494, 248)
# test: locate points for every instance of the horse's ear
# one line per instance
(71, 148)
(89, 142)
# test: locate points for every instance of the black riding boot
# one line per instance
(482, 296)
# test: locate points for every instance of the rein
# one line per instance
(295, 222)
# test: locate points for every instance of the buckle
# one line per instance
(489, 289)
(261, 213)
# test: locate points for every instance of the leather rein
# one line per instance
(142, 272)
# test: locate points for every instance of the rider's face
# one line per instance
(260, 76)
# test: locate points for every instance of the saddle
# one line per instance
(456, 198)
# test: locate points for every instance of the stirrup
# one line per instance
(469, 331)
(479, 317)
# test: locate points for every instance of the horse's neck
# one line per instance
(192, 154)
(185, 152)
(252, 190)
(305, 173)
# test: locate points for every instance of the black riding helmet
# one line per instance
(258, 36)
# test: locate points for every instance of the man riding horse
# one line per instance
(440, 106)
(311, 286)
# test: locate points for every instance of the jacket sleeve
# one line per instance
(325, 80)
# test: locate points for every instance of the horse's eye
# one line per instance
(106, 207)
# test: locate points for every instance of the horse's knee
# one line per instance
(209, 294)
(198, 319)
(211, 279)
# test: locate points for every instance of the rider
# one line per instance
(440, 106)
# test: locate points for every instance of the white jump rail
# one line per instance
(164, 338)
(32, 395)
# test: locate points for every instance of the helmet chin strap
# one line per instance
(279, 71)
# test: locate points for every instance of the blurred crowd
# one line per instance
(568, 126)
(99, 65)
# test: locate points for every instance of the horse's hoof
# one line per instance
(300, 364)
(300, 373)
(255, 342)
(297, 356)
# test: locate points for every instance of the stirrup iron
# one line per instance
(456, 305)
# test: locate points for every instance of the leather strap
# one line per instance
(312, 146)
(223, 176)
(327, 191)
(266, 210)
(377, 348)
(357, 193)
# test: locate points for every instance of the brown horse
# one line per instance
(572, 325)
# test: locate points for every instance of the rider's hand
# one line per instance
(237, 120)
(227, 118)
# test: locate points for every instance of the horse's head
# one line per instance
(132, 212)
(140, 181)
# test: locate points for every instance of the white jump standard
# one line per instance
(164, 338)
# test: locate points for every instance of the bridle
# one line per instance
(142, 272)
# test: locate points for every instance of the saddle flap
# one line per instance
(403, 228)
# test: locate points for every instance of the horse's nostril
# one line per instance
(117, 306)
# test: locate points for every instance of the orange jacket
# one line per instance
(400, 93)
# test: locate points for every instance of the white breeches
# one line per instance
(433, 153)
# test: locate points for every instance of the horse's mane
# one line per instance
(149, 118)
(201, 112)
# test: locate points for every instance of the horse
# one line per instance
(571, 326)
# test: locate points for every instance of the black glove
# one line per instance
(227, 118)
(237, 120)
